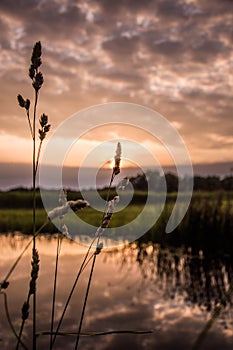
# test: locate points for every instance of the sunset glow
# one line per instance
(174, 57)
(124, 164)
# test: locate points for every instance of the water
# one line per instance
(141, 288)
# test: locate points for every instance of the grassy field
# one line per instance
(207, 225)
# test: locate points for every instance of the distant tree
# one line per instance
(201, 183)
(209, 183)
(139, 182)
(155, 180)
(172, 182)
(213, 183)
(227, 183)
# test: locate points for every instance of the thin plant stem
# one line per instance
(9, 320)
(38, 155)
(85, 301)
(88, 261)
(54, 290)
(83, 265)
(34, 210)
(29, 122)
(24, 250)
(94, 334)
(92, 268)
(32, 286)
(108, 194)
(34, 169)
(37, 81)
(22, 326)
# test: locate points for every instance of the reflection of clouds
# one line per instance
(184, 278)
(116, 311)
(119, 299)
(168, 313)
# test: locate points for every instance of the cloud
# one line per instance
(172, 56)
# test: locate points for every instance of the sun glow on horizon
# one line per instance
(124, 164)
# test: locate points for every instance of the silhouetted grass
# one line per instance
(207, 225)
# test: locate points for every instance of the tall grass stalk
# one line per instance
(59, 212)
(108, 211)
(63, 201)
(59, 240)
(85, 302)
(32, 288)
(82, 267)
(105, 221)
(99, 246)
(37, 82)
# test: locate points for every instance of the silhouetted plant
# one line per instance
(37, 81)
(107, 215)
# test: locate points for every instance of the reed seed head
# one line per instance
(123, 184)
(31, 71)
(21, 101)
(112, 204)
(107, 217)
(45, 127)
(43, 120)
(4, 284)
(37, 77)
(65, 231)
(62, 197)
(116, 168)
(78, 204)
(38, 81)
(99, 248)
(34, 271)
(27, 104)
(25, 310)
(62, 210)
(36, 56)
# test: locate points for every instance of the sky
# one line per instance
(174, 57)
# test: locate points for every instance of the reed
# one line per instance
(37, 81)
(64, 207)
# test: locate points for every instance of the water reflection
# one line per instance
(139, 287)
(200, 280)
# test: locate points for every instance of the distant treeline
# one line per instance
(156, 181)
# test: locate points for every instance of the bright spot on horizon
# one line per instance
(124, 164)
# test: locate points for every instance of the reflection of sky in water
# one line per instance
(127, 293)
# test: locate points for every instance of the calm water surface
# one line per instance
(168, 291)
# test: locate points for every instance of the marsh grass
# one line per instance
(208, 220)
(59, 241)
(20, 220)
(29, 224)
(207, 224)
(104, 223)
(37, 81)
